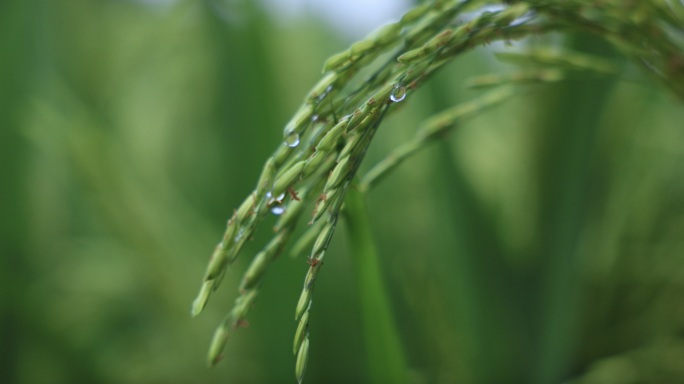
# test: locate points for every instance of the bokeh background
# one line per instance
(542, 242)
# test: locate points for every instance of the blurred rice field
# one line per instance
(542, 242)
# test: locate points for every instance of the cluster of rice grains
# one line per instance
(326, 139)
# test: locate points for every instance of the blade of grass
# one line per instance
(384, 352)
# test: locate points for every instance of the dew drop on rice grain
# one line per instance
(292, 140)
(398, 93)
(272, 200)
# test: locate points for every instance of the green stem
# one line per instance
(384, 352)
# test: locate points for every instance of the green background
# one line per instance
(541, 242)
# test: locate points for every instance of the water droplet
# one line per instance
(268, 194)
(292, 140)
(278, 210)
(398, 93)
(314, 118)
(328, 89)
(280, 198)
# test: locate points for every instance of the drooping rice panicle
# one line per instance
(339, 117)
(287, 159)
(253, 276)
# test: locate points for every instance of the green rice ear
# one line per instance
(336, 61)
(302, 359)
